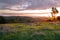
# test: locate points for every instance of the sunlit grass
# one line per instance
(23, 31)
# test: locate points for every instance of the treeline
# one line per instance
(21, 19)
(16, 19)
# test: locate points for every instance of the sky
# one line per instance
(28, 4)
(22, 5)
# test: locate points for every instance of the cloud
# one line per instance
(19, 6)
(28, 4)
(29, 12)
(57, 2)
(42, 3)
(12, 2)
(3, 5)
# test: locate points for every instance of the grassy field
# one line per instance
(22, 31)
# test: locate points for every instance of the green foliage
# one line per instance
(21, 31)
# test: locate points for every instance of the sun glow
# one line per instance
(46, 12)
(36, 11)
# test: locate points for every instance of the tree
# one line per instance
(2, 20)
(53, 13)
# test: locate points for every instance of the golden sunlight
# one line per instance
(46, 12)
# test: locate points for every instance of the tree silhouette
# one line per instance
(2, 20)
(53, 13)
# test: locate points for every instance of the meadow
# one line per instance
(33, 31)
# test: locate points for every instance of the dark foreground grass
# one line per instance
(21, 31)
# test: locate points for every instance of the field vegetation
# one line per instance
(27, 28)
(22, 31)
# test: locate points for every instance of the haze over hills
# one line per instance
(36, 13)
(25, 14)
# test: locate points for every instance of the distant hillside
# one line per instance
(41, 19)
(24, 19)
(16, 19)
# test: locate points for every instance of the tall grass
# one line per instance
(21, 31)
